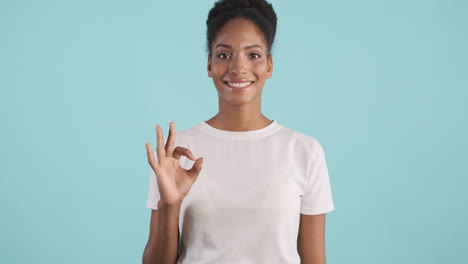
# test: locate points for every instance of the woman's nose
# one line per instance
(238, 65)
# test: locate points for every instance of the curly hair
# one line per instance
(260, 12)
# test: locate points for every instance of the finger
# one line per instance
(196, 168)
(161, 152)
(151, 160)
(171, 139)
(180, 151)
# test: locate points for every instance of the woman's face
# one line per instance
(239, 63)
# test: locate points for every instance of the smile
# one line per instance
(238, 84)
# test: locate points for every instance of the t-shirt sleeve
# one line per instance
(317, 197)
(153, 194)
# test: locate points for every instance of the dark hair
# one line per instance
(259, 12)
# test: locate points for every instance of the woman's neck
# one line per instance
(239, 120)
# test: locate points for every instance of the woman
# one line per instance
(258, 192)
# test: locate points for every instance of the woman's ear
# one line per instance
(270, 66)
(209, 65)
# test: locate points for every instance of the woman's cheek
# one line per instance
(260, 66)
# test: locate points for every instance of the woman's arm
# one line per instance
(174, 182)
(311, 239)
(163, 241)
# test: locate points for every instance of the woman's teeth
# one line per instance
(239, 85)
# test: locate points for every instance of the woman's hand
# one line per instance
(174, 182)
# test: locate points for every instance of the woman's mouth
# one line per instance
(238, 86)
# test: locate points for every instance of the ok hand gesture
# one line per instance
(174, 182)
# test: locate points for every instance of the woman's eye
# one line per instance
(223, 56)
(255, 55)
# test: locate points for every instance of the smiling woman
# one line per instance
(259, 192)
(239, 64)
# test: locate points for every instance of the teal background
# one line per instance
(381, 84)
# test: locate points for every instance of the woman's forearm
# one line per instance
(164, 243)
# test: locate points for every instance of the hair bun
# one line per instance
(263, 8)
(259, 11)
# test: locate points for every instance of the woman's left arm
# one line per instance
(311, 239)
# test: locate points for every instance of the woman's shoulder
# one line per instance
(302, 141)
(185, 133)
(300, 136)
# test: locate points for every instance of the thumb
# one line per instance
(196, 168)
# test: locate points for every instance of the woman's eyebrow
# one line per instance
(253, 46)
(229, 46)
(223, 46)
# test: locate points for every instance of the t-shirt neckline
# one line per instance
(265, 131)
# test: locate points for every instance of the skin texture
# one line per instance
(311, 239)
(174, 182)
(240, 54)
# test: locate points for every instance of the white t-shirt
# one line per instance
(245, 206)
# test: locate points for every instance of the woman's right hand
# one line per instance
(174, 182)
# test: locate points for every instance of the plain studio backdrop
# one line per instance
(381, 84)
